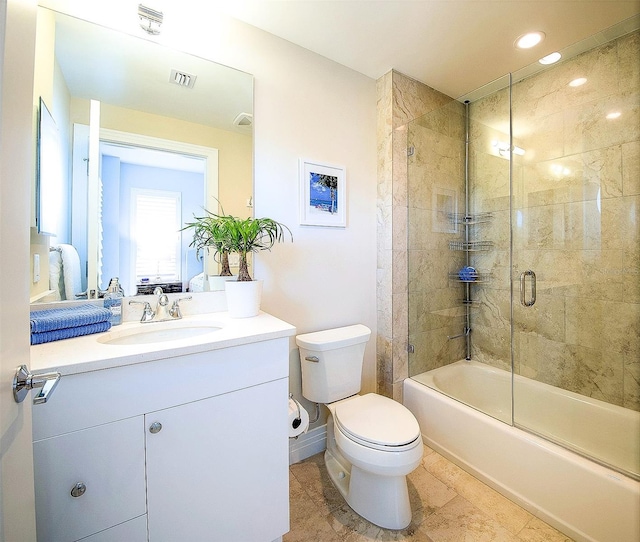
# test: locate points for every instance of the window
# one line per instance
(155, 234)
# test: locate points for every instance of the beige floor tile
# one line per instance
(313, 476)
(508, 514)
(538, 531)
(460, 521)
(427, 493)
(350, 526)
(307, 522)
(448, 505)
(430, 456)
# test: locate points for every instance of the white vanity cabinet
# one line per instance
(228, 475)
(191, 447)
(90, 480)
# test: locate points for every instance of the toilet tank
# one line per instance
(337, 373)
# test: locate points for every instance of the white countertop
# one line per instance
(92, 353)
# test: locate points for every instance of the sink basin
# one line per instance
(172, 331)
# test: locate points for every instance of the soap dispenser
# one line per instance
(113, 301)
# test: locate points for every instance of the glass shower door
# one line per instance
(458, 217)
(575, 282)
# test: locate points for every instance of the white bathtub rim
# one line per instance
(626, 462)
(623, 484)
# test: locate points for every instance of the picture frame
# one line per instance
(323, 199)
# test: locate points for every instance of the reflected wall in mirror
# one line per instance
(164, 148)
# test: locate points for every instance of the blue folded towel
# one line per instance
(68, 332)
(68, 317)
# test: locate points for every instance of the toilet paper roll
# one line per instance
(298, 419)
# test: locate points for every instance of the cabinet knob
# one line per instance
(155, 427)
(78, 490)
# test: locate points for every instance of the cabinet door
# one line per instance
(134, 530)
(108, 462)
(218, 468)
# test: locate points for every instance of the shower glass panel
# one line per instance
(575, 223)
(535, 184)
(458, 218)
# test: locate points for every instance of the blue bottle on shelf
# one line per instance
(467, 274)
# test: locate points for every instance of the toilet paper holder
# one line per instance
(298, 420)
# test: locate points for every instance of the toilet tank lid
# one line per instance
(331, 339)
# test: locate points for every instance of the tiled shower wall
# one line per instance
(576, 206)
(436, 195)
(576, 211)
(400, 100)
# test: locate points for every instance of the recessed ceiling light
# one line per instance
(614, 115)
(578, 82)
(550, 59)
(529, 40)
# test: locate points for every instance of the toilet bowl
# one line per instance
(373, 442)
(369, 462)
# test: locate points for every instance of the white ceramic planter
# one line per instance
(217, 282)
(243, 298)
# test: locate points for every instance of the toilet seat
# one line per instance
(377, 422)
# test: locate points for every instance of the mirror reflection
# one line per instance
(148, 137)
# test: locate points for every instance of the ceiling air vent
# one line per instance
(243, 119)
(183, 79)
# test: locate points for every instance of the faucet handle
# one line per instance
(174, 311)
(147, 311)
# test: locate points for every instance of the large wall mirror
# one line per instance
(148, 137)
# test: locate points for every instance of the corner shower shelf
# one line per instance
(462, 218)
(470, 246)
(474, 277)
(468, 220)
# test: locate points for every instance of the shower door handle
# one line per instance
(523, 285)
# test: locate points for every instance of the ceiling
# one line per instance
(454, 46)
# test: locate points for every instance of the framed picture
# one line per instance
(322, 195)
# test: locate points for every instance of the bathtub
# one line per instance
(584, 499)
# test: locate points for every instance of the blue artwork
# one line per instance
(323, 192)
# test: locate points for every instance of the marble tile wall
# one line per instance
(489, 179)
(436, 192)
(400, 100)
(576, 205)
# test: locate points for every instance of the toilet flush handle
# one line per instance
(315, 359)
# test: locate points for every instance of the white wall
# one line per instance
(305, 107)
(309, 107)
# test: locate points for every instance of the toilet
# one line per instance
(373, 442)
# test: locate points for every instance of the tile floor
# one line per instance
(448, 505)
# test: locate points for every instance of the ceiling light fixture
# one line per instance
(550, 59)
(531, 39)
(150, 19)
(578, 82)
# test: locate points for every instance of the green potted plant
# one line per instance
(248, 235)
(245, 236)
(225, 234)
(210, 236)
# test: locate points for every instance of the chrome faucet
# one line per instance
(162, 313)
